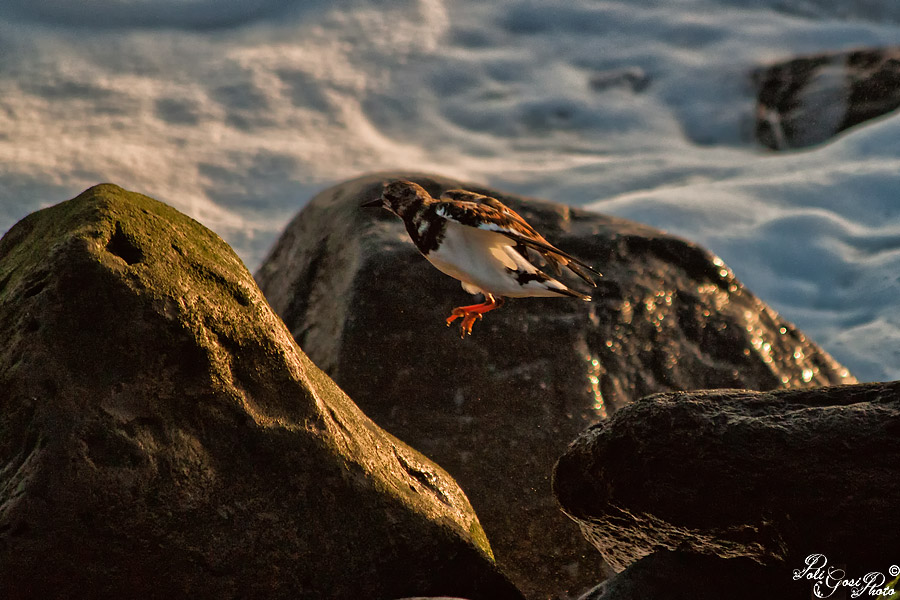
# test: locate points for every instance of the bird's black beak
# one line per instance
(376, 203)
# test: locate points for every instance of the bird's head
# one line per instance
(401, 197)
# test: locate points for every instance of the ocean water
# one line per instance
(237, 111)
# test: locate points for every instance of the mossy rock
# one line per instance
(162, 435)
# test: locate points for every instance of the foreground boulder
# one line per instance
(162, 436)
(774, 477)
(686, 576)
(498, 408)
(810, 99)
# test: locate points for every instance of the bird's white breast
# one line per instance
(483, 259)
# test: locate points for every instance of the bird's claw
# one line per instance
(468, 319)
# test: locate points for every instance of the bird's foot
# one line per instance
(468, 319)
(470, 314)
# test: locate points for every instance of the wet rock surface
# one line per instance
(162, 436)
(498, 408)
(685, 576)
(774, 477)
(808, 100)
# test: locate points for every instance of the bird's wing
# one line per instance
(484, 212)
(499, 207)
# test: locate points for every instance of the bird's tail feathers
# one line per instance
(583, 273)
(571, 293)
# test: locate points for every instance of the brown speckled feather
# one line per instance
(484, 212)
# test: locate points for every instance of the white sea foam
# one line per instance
(237, 112)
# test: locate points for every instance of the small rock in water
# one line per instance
(808, 100)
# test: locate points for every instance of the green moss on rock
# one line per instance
(161, 433)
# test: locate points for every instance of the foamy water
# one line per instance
(237, 112)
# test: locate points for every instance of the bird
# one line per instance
(484, 244)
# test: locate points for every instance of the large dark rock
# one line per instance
(686, 576)
(774, 477)
(810, 99)
(497, 408)
(162, 436)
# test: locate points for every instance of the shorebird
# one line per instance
(484, 244)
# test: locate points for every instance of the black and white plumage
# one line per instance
(484, 244)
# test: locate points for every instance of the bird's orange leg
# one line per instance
(472, 312)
